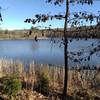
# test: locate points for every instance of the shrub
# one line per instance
(11, 86)
(43, 82)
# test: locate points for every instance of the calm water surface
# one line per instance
(42, 51)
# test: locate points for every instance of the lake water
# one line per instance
(44, 51)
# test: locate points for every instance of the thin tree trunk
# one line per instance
(66, 50)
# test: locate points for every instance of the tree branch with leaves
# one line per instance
(72, 20)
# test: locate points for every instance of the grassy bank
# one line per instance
(49, 79)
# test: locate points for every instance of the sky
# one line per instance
(14, 12)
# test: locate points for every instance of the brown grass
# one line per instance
(82, 79)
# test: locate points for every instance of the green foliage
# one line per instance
(43, 82)
(12, 85)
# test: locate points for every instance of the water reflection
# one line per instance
(43, 51)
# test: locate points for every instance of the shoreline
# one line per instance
(39, 38)
(44, 38)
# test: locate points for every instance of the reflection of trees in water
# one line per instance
(2, 47)
(51, 49)
(35, 45)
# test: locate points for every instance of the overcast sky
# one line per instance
(14, 12)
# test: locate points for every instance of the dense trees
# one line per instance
(74, 20)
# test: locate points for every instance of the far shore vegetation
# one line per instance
(79, 32)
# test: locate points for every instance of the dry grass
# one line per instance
(82, 79)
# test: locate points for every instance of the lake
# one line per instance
(45, 51)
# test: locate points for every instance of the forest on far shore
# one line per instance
(79, 32)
